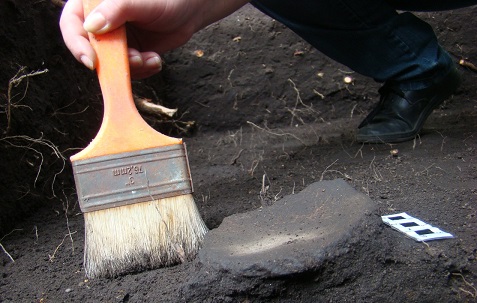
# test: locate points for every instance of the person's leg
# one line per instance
(371, 38)
(429, 5)
(368, 36)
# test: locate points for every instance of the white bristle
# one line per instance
(142, 236)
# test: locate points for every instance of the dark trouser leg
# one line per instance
(429, 5)
(368, 36)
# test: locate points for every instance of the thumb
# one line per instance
(104, 16)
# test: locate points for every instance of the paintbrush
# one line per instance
(133, 183)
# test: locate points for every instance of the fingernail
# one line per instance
(135, 60)
(87, 62)
(154, 62)
(95, 23)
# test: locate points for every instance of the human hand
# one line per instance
(153, 27)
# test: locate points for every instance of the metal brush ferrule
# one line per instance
(132, 177)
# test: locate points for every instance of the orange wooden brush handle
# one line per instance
(123, 129)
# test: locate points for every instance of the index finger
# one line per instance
(74, 35)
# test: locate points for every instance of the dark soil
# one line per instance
(267, 111)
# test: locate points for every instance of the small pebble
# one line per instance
(347, 80)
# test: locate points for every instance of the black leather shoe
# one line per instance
(400, 115)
